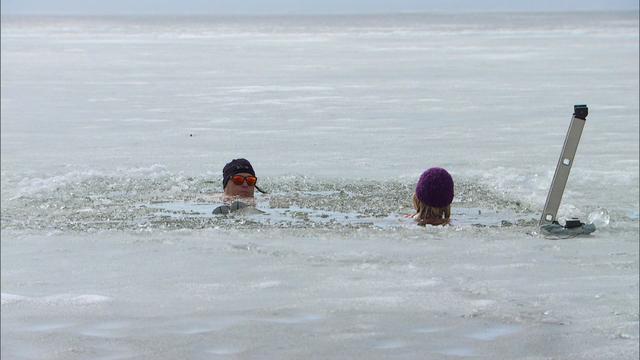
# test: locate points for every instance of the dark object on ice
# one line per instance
(573, 223)
(580, 111)
(227, 209)
(555, 230)
(548, 222)
(221, 210)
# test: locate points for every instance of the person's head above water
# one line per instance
(433, 197)
(239, 179)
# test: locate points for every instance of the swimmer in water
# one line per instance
(239, 179)
(239, 184)
(433, 197)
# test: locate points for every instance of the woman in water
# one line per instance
(433, 197)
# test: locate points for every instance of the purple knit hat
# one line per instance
(435, 187)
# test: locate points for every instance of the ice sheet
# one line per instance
(114, 132)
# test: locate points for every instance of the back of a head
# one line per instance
(433, 197)
(435, 188)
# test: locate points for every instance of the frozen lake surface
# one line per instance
(115, 130)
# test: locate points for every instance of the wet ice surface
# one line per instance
(291, 293)
(114, 132)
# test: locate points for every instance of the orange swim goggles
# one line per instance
(239, 179)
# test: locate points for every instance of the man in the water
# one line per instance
(239, 179)
(239, 184)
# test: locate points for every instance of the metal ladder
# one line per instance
(563, 168)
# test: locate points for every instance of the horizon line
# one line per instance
(267, 14)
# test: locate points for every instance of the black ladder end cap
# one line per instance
(580, 111)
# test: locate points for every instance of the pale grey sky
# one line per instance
(258, 7)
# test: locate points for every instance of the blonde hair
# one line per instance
(426, 214)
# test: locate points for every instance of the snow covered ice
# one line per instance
(115, 131)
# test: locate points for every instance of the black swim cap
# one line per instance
(237, 166)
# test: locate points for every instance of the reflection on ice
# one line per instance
(12, 298)
(49, 327)
(293, 318)
(224, 351)
(56, 300)
(108, 329)
(391, 344)
(492, 333)
(428, 330)
(462, 352)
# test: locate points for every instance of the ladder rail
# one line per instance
(563, 168)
